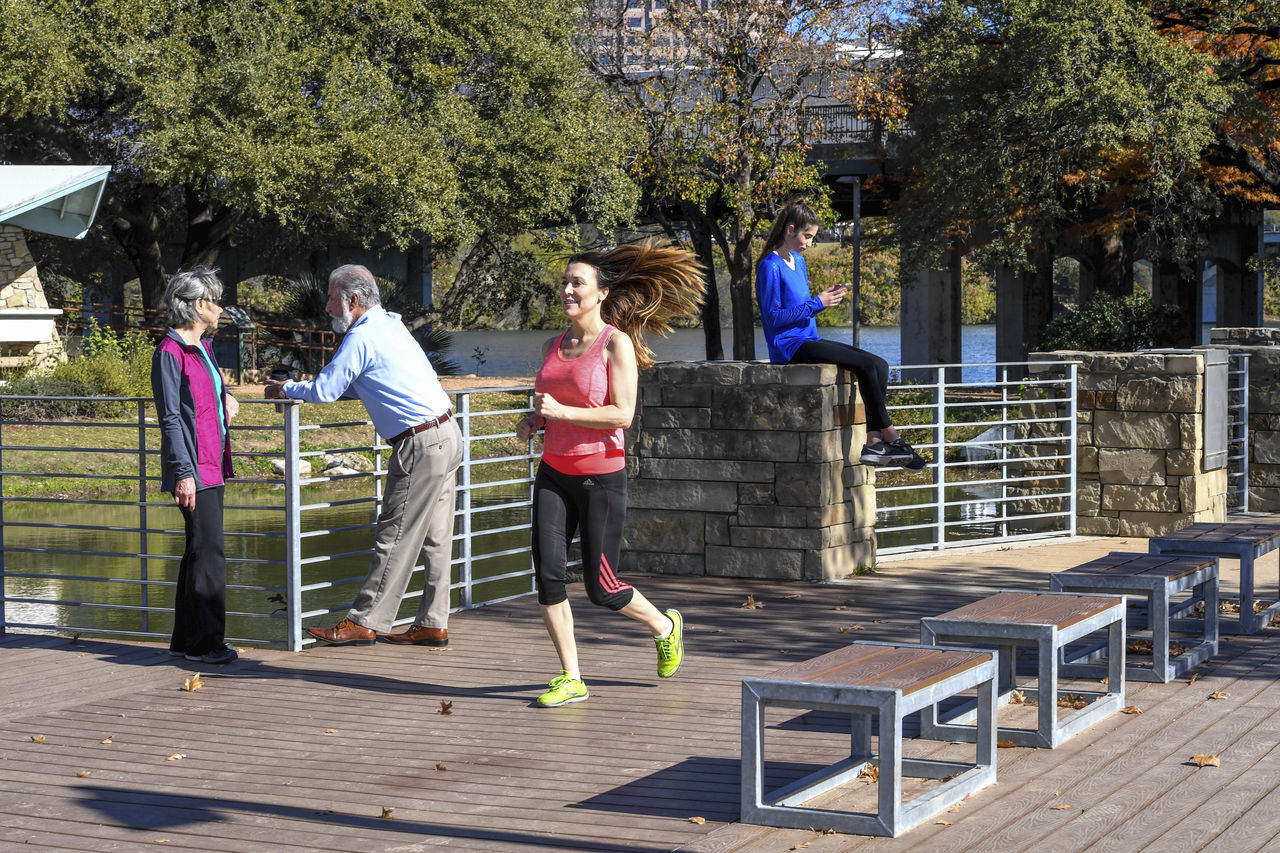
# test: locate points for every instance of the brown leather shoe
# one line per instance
(345, 633)
(419, 636)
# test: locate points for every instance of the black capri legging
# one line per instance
(595, 506)
(871, 371)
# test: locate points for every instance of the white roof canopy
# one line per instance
(59, 200)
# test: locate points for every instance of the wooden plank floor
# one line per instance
(307, 751)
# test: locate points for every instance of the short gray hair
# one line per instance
(355, 279)
(185, 288)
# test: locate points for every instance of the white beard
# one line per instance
(343, 322)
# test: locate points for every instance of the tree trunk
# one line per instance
(742, 296)
(705, 250)
(137, 230)
(209, 229)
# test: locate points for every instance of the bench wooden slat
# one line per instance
(809, 669)
(906, 668)
(1207, 531)
(1154, 565)
(925, 672)
(1037, 608)
(991, 604)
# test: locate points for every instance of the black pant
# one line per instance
(871, 371)
(595, 506)
(200, 602)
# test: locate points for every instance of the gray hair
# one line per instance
(185, 288)
(355, 279)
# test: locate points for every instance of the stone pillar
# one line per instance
(1262, 345)
(20, 288)
(746, 469)
(930, 326)
(1140, 444)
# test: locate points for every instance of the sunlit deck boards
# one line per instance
(625, 770)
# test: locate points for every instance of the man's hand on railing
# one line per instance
(273, 390)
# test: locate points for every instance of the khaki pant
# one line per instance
(417, 516)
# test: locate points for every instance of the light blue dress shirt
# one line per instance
(380, 363)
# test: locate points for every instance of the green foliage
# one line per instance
(1108, 324)
(1031, 117)
(110, 365)
(977, 295)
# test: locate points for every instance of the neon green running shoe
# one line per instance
(671, 647)
(564, 690)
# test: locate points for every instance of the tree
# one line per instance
(1035, 122)
(365, 119)
(720, 93)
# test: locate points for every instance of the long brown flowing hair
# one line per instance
(650, 284)
(797, 213)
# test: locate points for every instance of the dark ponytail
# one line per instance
(797, 213)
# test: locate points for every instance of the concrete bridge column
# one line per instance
(1024, 304)
(1239, 290)
(1173, 285)
(931, 315)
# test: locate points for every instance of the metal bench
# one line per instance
(1245, 542)
(1049, 621)
(1158, 578)
(865, 679)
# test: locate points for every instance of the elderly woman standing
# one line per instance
(195, 409)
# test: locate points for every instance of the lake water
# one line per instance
(519, 353)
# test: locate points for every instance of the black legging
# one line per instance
(200, 597)
(595, 506)
(871, 371)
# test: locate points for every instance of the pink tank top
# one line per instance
(581, 382)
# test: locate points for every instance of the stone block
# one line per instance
(827, 446)
(857, 475)
(1197, 493)
(773, 407)
(743, 445)
(764, 563)
(777, 516)
(840, 562)
(756, 494)
(1086, 459)
(1264, 475)
(788, 538)
(757, 373)
(1096, 400)
(662, 530)
(1156, 499)
(1157, 393)
(812, 484)
(1096, 381)
(650, 563)
(716, 470)
(1135, 467)
(862, 503)
(1191, 432)
(1149, 524)
(671, 417)
(702, 372)
(1098, 525)
(1264, 499)
(717, 529)
(683, 495)
(1266, 448)
(1183, 364)
(690, 396)
(1136, 430)
(1183, 463)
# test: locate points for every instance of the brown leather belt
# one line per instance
(414, 430)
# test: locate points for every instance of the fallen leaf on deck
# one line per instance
(801, 846)
(287, 782)
(1017, 697)
(1206, 761)
(871, 773)
(1132, 709)
(1194, 676)
(1060, 807)
(440, 766)
(955, 808)
(1073, 701)
(192, 684)
(697, 820)
(75, 638)
(445, 707)
(37, 738)
(1006, 744)
(177, 756)
(1219, 694)
(330, 731)
(851, 628)
(844, 607)
(107, 739)
(943, 823)
(751, 604)
(83, 773)
(790, 597)
(386, 812)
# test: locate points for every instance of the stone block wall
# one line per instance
(1140, 443)
(746, 469)
(20, 288)
(1262, 345)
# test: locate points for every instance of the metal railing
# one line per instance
(300, 542)
(1003, 458)
(1237, 432)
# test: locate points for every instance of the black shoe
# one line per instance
(903, 455)
(875, 453)
(217, 655)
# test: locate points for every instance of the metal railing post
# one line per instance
(143, 550)
(1072, 446)
(940, 456)
(3, 594)
(292, 528)
(464, 408)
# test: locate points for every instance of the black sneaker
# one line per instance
(218, 655)
(875, 453)
(902, 454)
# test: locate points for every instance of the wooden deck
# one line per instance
(347, 749)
